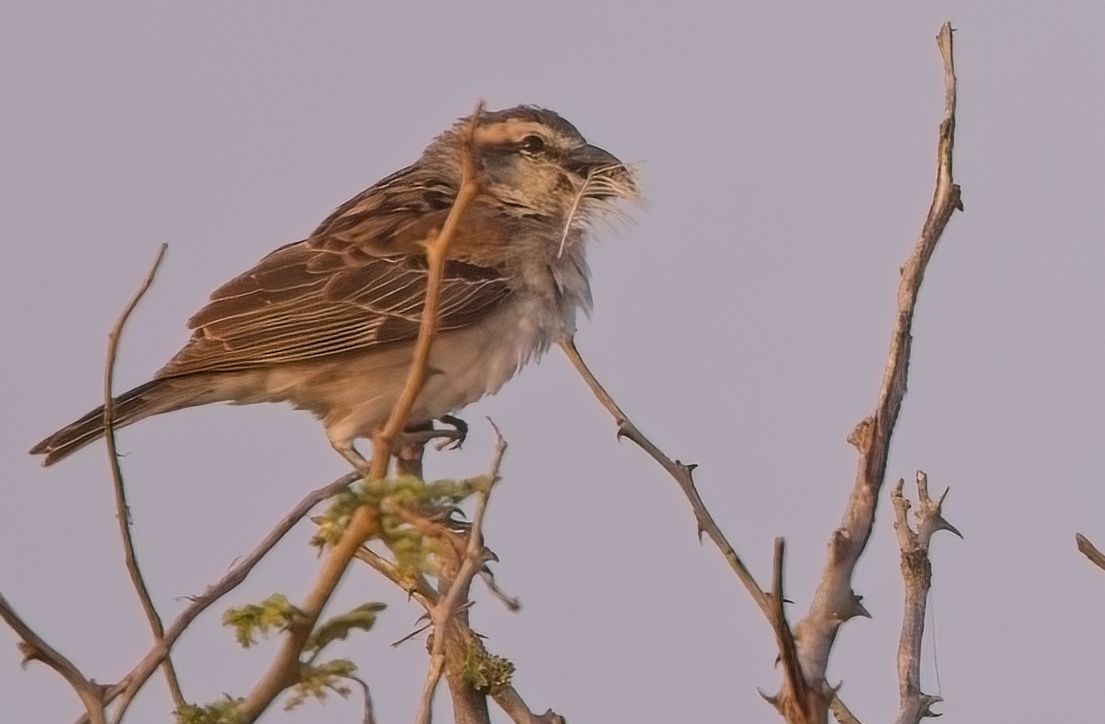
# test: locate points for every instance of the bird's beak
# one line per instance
(589, 159)
(607, 177)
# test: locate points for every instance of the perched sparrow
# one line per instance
(329, 323)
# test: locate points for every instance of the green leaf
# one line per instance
(337, 628)
(221, 712)
(260, 619)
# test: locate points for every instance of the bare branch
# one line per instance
(34, 648)
(1089, 550)
(917, 575)
(680, 472)
(129, 686)
(512, 704)
(834, 601)
(284, 670)
(794, 684)
(122, 511)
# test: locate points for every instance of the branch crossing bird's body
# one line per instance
(328, 324)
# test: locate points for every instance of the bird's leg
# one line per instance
(409, 448)
(346, 449)
(425, 432)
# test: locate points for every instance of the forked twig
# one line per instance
(122, 510)
(128, 687)
(916, 566)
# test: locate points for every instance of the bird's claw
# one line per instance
(453, 439)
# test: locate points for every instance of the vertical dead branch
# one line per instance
(122, 511)
(34, 648)
(917, 575)
(835, 602)
(284, 670)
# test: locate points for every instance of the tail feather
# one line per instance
(152, 398)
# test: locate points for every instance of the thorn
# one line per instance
(773, 700)
(856, 608)
(940, 503)
(942, 524)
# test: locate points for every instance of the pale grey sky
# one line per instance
(742, 318)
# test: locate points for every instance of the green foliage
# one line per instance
(487, 673)
(337, 628)
(221, 712)
(259, 619)
(315, 680)
(395, 500)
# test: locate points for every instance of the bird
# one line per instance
(329, 323)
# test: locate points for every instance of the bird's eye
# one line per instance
(532, 144)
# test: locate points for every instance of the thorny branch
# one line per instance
(680, 472)
(122, 510)
(917, 575)
(34, 648)
(284, 670)
(835, 602)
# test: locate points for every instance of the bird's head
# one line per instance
(536, 164)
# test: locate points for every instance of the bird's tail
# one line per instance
(152, 398)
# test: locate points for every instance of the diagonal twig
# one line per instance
(284, 669)
(680, 472)
(122, 511)
(129, 686)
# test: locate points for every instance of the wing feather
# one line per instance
(312, 299)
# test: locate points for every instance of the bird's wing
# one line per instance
(323, 297)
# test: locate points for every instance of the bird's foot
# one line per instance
(448, 438)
